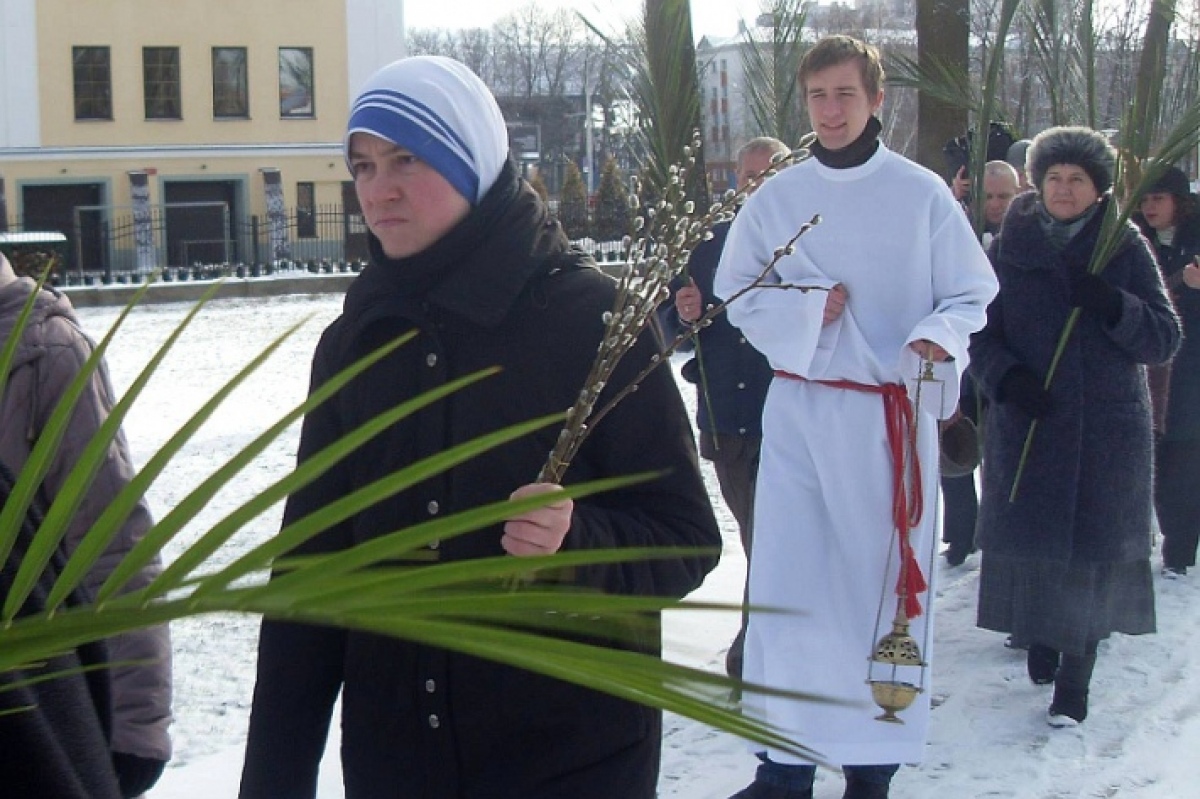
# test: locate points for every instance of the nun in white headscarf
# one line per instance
(465, 253)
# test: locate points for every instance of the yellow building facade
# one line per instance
(157, 134)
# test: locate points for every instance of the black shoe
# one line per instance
(733, 658)
(1069, 707)
(861, 789)
(1043, 664)
(1174, 572)
(761, 790)
(957, 555)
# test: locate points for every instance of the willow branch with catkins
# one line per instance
(669, 230)
(711, 313)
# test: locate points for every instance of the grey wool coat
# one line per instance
(53, 348)
(1085, 494)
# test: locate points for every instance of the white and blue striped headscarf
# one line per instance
(440, 111)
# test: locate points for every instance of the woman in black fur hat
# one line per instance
(1067, 561)
(1167, 216)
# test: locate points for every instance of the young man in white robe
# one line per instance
(895, 279)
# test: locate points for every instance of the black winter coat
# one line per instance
(1183, 398)
(1085, 494)
(503, 289)
(54, 733)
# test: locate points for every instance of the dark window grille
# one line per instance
(306, 210)
(92, 74)
(231, 83)
(160, 82)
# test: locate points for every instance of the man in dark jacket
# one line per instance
(465, 253)
(731, 376)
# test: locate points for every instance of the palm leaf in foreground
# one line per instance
(376, 587)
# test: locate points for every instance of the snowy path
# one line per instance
(988, 738)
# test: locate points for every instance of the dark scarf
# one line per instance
(477, 270)
(856, 153)
(1059, 232)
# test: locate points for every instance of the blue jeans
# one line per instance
(801, 778)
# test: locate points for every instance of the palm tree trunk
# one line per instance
(1151, 70)
(942, 30)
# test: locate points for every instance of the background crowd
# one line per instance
(838, 502)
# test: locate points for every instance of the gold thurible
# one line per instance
(893, 651)
(898, 649)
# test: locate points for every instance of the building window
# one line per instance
(231, 92)
(160, 82)
(306, 210)
(296, 82)
(92, 67)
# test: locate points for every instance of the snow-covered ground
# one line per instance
(988, 736)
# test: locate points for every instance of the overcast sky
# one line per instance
(709, 17)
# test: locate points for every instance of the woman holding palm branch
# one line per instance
(1066, 561)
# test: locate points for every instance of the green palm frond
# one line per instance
(8, 352)
(381, 586)
(770, 68)
(939, 79)
(988, 110)
(666, 92)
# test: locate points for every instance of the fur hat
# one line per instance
(441, 112)
(1078, 146)
(1171, 181)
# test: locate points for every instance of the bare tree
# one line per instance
(1151, 71)
(475, 47)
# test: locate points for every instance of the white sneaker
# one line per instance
(1060, 721)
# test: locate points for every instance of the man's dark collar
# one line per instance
(856, 153)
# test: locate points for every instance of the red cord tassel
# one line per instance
(907, 496)
(908, 504)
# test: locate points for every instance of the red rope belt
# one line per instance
(907, 501)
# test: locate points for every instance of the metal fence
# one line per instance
(188, 241)
(108, 244)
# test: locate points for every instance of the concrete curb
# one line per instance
(231, 287)
(190, 291)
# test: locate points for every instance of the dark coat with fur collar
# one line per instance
(1085, 495)
(502, 289)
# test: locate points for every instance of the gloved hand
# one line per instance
(136, 774)
(1021, 387)
(1093, 293)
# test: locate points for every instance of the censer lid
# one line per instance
(959, 451)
